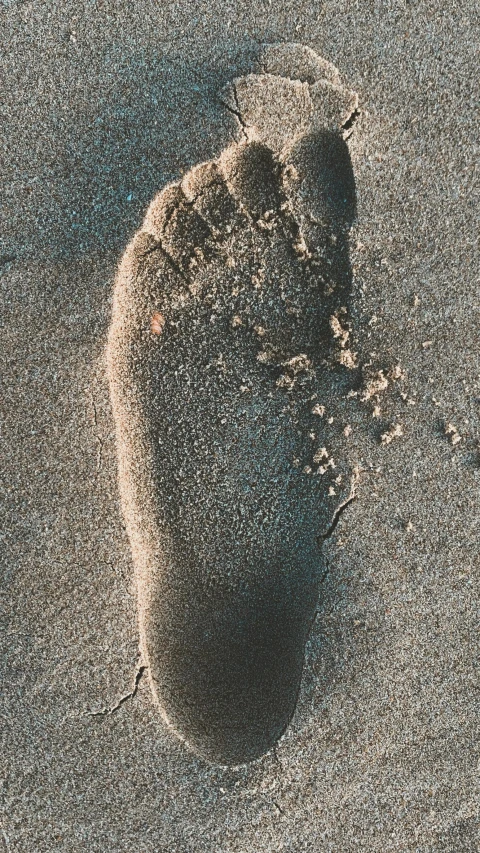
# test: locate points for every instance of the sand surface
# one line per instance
(102, 104)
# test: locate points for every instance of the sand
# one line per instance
(102, 107)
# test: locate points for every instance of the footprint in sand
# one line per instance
(221, 323)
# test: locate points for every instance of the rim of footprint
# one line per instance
(220, 330)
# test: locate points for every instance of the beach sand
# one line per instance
(102, 105)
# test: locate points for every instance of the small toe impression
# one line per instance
(228, 663)
(178, 226)
(253, 176)
(205, 187)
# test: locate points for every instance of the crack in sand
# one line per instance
(98, 438)
(342, 507)
(349, 124)
(105, 712)
(236, 112)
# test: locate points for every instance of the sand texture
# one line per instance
(105, 108)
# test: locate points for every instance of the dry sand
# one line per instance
(102, 105)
